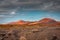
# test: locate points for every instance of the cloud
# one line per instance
(8, 8)
(12, 13)
(9, 5)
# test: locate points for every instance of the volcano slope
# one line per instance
(45, 29)
(44, 33)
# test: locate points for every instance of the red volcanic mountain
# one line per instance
(21, 22)
(43, 21)
(47, 20)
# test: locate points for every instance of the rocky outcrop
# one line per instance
(47, 33)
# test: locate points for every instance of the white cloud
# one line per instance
(12, 13)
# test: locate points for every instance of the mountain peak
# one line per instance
(46, 20)
(21, 21)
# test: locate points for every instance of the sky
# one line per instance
(28, 10)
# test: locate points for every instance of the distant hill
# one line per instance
(45, 22)
(42, 21)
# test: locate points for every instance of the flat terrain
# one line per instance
(42, 33)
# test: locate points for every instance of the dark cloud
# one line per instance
(33, 4)
(11, 6)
